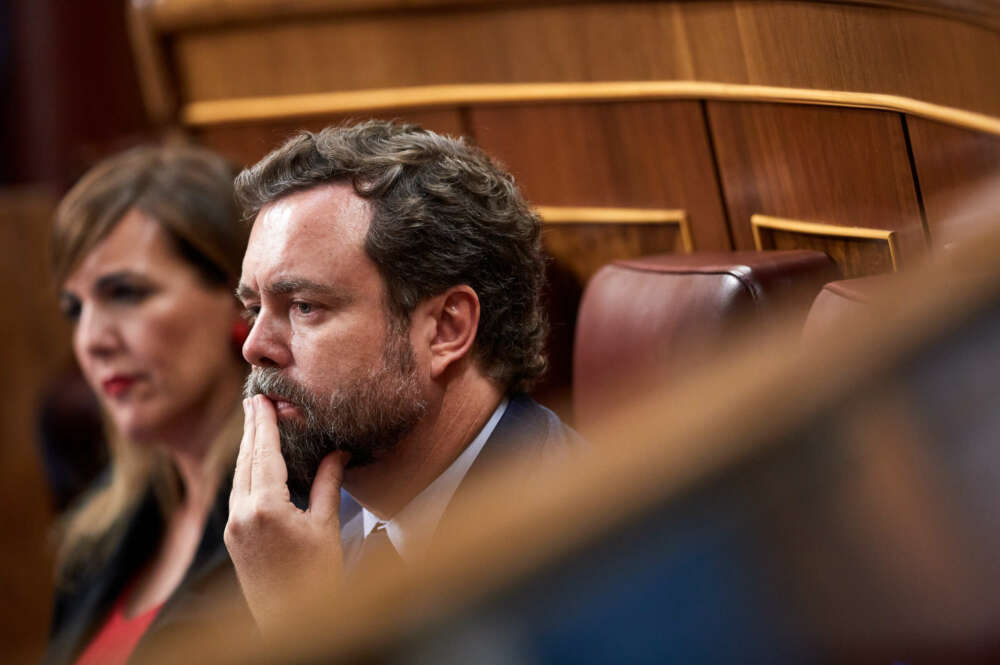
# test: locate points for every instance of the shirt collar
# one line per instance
(411, 529)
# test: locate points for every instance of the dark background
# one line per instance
(71, 94)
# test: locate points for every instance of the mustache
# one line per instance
(270, 381)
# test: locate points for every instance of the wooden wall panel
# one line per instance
(635, 155)
(179, 14)
(832, 46)
(502, 43)
(959, 175)
(835, 166)
(246, 143)
(584, 248)
(69, 92)
(816, 45)
(35, 341)
(855, 257)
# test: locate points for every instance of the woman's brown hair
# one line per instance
(189, 192)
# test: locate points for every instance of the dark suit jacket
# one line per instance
(81, 609)
(528, 434)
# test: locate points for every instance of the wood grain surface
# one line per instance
(959, 176)
(179, 14)
(497, 44)
(835, 166)
(636, 155)
(584, 248)
(35, 343)
(856, 257)
(816, 45)
(833, 46)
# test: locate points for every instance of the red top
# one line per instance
(116, 640)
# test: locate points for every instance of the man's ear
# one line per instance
(454, 317)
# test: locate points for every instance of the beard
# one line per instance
(366, 417)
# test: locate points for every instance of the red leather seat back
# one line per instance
(658, 315)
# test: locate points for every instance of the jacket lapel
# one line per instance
(521, 436)
(81, 611)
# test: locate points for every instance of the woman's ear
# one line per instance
(455, 320)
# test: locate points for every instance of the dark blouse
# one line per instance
(82, 608)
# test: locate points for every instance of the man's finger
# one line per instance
(324, 497)
(269, 471)
(244, 461)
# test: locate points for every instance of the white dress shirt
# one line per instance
(412, 528)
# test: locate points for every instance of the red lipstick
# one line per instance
(117, 385)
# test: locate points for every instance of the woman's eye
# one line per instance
(127, 293)
(70, 308)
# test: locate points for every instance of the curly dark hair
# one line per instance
(444, 214)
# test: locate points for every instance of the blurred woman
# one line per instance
(147, 250)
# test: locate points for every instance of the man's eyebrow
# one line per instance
(290, 285)
(244, 293)
(287, 286)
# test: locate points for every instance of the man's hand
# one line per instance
(280, 551)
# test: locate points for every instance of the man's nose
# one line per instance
(266, 345)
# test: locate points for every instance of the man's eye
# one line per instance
(250, 313)
(303, 307)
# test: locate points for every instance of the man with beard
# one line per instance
(393, 279)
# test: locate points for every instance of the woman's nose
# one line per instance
(96, 333)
